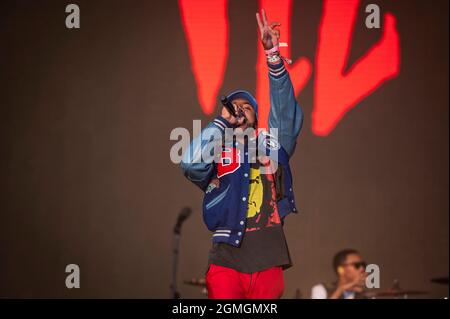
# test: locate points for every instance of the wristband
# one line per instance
(272, 51)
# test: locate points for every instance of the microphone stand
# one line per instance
(184, 214)
(176, 243)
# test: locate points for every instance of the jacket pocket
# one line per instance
(215, 197)
(213, 213)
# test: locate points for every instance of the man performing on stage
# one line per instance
(245, 203)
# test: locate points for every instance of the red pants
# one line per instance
(227, 283)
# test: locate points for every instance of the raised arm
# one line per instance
(285, 113)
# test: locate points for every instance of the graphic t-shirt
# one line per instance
(263, 245)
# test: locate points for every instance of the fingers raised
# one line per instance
(264, 17)
(260, 24)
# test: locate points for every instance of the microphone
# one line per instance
(227, 103)
(182, 216)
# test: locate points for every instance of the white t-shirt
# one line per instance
(319, 292)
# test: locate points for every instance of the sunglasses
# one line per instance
(357, 264)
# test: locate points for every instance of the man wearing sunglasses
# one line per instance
(351, 271)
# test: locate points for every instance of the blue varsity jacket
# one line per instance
(225, 207)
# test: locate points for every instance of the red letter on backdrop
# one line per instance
(335, 92)
(300, 71)
(205, 25)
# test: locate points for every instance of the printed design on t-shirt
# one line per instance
(262, 209)
(256, 192)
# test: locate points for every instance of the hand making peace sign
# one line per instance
(269, 33)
